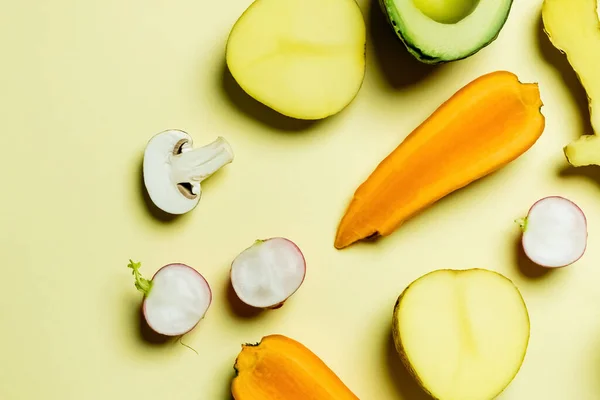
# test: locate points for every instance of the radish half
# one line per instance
(267, 273)
(175, 300)
(554, 232)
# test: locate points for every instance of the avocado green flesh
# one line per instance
(475, 24)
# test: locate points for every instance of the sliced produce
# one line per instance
(485, 125)
(280, 368)
(554, 232)
(175, 299)
(267, 273)
(173, 170)
(573, 28)
(437, 31)
(462, 334)
(303, 58)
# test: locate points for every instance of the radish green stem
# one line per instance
(142, 284)
(522, 223)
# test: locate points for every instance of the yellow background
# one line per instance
(85, 84)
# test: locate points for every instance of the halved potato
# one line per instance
(303, 58)
(462, 334)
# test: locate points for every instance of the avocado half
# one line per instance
(436, 32)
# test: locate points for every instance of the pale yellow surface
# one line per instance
(85, 84)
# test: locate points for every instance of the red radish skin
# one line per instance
(146, 287)
(280, 304)
(524, 223)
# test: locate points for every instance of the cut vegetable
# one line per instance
(554, 232)
(462, 334)
(174, 170)
(484, 126)
(267, 273)
(303, 58)
(280, 368)
(573, 28)
(175, 300)
(437, 31)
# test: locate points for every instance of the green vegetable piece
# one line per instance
(438, 31)
(142, 284)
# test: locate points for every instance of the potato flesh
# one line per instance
(464, 333)
(303, 58)
(574, 28)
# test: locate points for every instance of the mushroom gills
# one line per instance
(174, 169)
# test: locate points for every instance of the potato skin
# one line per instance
(398, 342)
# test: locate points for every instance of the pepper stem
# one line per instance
(142, 284)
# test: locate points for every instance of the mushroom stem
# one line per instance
(195, 165)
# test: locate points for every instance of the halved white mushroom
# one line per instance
(173, 170)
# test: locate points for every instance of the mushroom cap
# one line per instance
(157, 167)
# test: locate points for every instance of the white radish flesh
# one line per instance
(554, 232)
(268, 273)
(175, 300)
